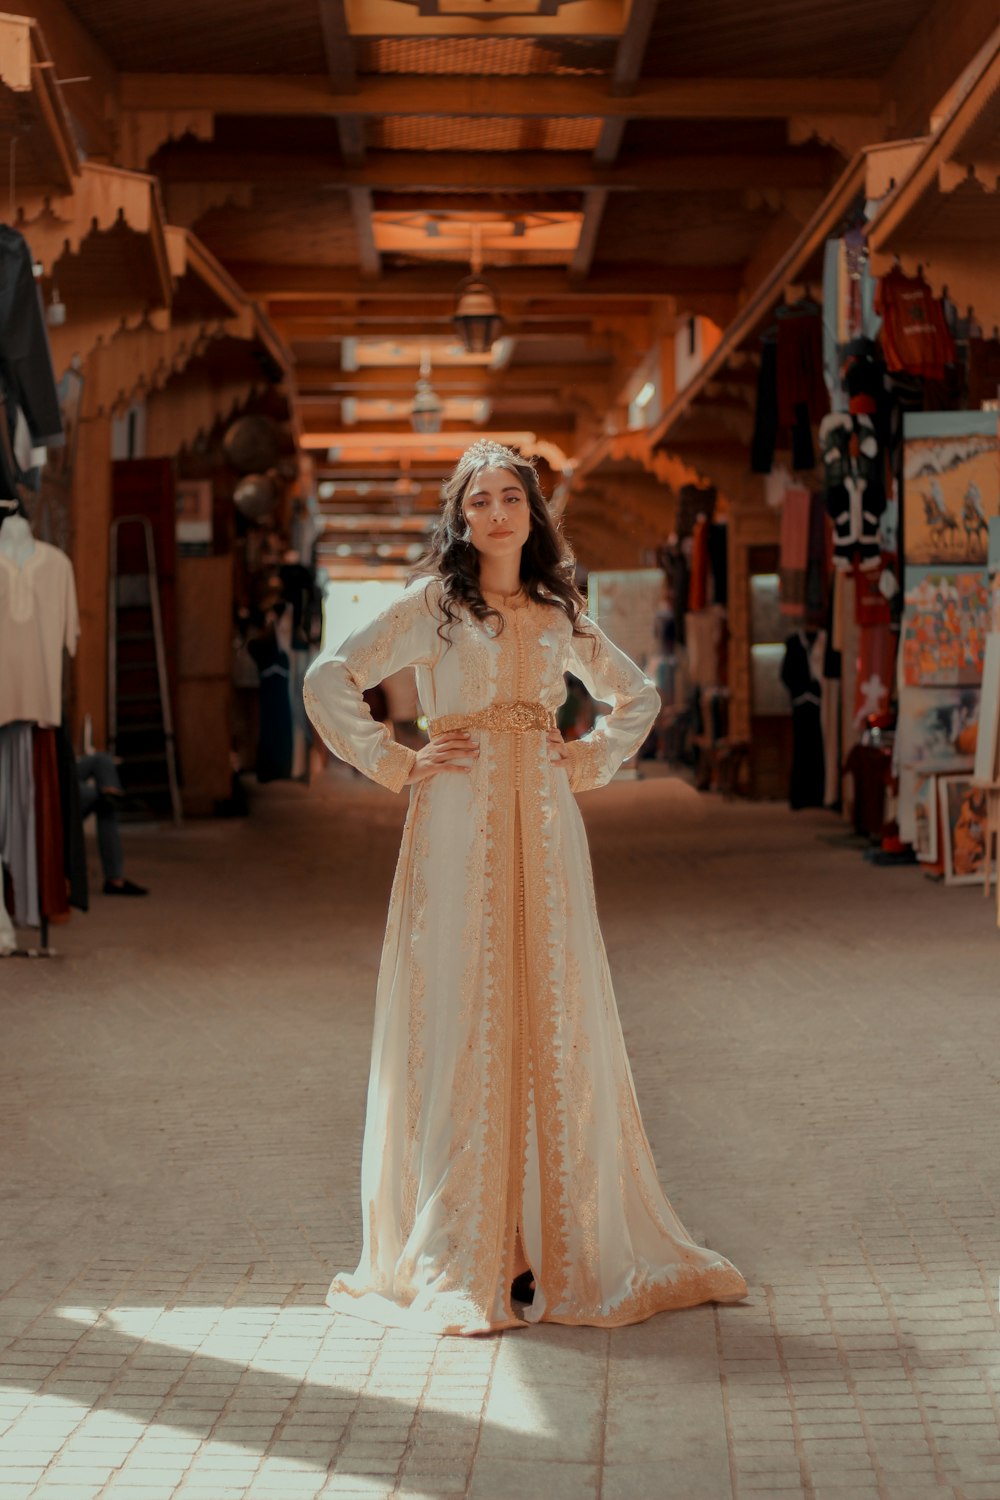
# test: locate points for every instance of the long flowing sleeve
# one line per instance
(611, 677)
(403, 635)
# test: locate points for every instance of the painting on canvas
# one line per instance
(945, 624)
(988, 737)
(963, 824)
(951, 487)
(925, 812)
(937, 728)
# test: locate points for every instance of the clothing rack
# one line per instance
(11, 507)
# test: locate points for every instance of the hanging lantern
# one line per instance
(427, 410)
(477, 318)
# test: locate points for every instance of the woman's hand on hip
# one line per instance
(558, 754)
(447, 752)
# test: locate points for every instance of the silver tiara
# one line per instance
(488, 454)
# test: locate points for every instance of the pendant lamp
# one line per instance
(477, 319)
(427, 408)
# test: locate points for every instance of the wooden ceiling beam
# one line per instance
(560, 97)
(630, 282)
(518, 311)
(325, 380)
(300, 328)
(391, 19)
(583, 255)
(455, 172)
(341, 59)
(625, 75)
(341, 67)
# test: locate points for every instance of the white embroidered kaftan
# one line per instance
(502, 1128)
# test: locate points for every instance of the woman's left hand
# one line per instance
(558, 754)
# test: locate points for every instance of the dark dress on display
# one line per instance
(808, 778)
(274, 745)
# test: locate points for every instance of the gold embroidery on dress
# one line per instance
(417, 1019)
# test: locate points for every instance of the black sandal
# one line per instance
(522, 1289)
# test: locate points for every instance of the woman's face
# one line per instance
(496, 511)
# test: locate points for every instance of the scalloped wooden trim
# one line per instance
(143, 131)
(57, 224)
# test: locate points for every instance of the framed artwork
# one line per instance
(988, 737)
(951, 487)
(945, 623)
(937, 727)
(925, 813)
(193, 499)
(963, 824)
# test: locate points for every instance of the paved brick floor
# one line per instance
(815, 1048)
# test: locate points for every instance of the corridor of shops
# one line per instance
(714, 288)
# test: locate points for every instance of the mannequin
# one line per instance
(16, 540)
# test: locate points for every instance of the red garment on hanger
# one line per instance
(53, 898)
(871, 607)
(794, 557)
(698, 585)
(801, 381)
(914, 335)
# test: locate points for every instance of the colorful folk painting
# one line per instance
(925, 813)
(951, 487)
(945, 625)
(963, 824)
(937, 728)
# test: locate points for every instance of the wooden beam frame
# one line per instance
(325, 381)
(635, 283)
(500, 172)
(340, 64)
(485, 97)
(980, 85)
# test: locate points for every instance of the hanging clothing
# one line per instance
(718, 560)
(854, 487)
(818, 563)
(27, 379)
(794, 552)
(675, 568)
(914, 335)
(38, 618)
(704, 641)
(800, 674)
(698, 587)
(502, 1130)
(802, 395)
(984, 370)
(802, 389)
(52, 893)
(275, 741)
(18, 848)
(74, 843)
(765, 429)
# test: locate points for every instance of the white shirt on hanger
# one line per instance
(38, 617)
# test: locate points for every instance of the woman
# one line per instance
(503, 1134)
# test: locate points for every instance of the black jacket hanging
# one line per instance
(26, 374)
(854, 488)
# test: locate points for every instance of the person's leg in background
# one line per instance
(100, 791)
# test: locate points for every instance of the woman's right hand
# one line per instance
(447, 752)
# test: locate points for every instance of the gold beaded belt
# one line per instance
(514, 718)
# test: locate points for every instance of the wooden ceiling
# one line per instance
(621, 164)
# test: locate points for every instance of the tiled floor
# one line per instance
(815, 1049)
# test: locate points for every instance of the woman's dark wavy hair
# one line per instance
(547, 562)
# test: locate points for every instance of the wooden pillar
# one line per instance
(749, 526)
(91, 517)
